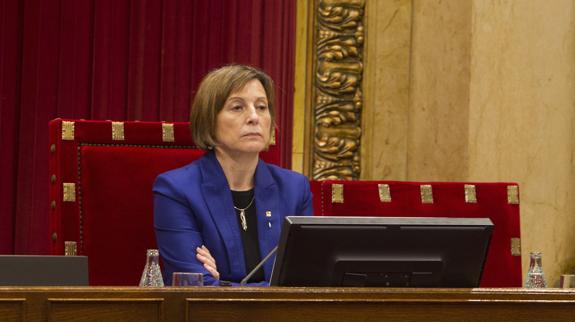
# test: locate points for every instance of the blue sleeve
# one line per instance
(177, 232)
(306, 205)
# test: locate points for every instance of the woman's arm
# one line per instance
(306, 205)
(177, 233)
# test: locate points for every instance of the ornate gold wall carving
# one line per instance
(337, 94)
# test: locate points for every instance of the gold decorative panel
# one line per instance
(168, 132)
(337, 94)
(67, 131)
(337, 193)
(118, 131)
(470, 195)
(384, 192)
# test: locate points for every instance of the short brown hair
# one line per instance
(214, 90)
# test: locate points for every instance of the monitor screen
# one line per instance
(381, 251)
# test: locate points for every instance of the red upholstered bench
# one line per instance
(497, 201)
(102, 174)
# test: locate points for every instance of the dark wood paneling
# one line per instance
(410, 310)
(71, 309)
(284, 304)
(12, 309)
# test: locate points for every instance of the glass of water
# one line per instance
(185, 279)
(567, 281)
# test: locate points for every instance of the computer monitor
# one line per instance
(381, 251)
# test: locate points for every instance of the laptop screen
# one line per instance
(39, 270)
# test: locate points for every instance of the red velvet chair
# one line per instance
(102, 174)
(498, 201)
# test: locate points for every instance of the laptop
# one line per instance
(43, 270)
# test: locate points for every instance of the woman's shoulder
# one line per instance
(283, 174)
(181, 171)
(179, 176)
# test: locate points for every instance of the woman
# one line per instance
(221, 214)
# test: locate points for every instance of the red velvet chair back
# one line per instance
(102, 174)
(497, 201)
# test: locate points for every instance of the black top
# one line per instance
(243, 199)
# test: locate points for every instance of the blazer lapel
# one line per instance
(267, 212)
(217, 195)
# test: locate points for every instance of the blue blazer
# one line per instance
(193, 206)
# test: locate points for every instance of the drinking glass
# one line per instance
(567, 281)
(184, 279)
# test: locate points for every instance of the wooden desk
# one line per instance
(283, 304)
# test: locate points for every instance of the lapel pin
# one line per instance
(268, 213)
(269, 224)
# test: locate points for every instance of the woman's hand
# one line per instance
(204, 256)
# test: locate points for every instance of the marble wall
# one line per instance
(469, 90)
(522, 117)
(439, 91)
(478, 90)
(417, 90)
(386, 87)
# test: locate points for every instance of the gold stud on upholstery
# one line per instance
(337, 193)
(516, 246)
(118, 131)
(69, 191)
(168, 132)
(513, 195)
(426, 193)
(470, 195)
(384, 192)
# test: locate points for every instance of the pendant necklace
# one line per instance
(243, 214)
